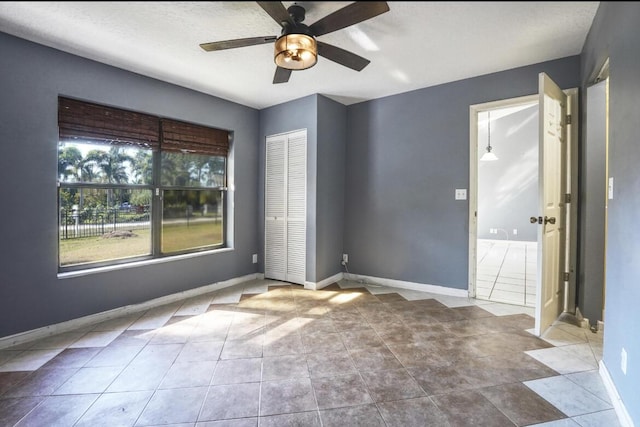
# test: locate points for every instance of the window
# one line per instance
(134, 186)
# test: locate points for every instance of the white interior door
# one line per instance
(285, 207)
(551, 217)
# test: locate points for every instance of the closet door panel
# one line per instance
(275, 209)
(296, 207)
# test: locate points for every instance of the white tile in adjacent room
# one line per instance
(504, 269)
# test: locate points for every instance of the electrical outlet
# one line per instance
(610, 190)
(345, 258)
(515, 231)
(623, 361)
(255, 258)
(461, 194)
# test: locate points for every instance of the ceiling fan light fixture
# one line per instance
(296, 51)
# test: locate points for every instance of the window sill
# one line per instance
(89, 271)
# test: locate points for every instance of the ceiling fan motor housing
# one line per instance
(297, 13)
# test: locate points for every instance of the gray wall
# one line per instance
(508, 187)
(406, 155)
(332, 134)
(287, 117)
(31, 294)
(615, 34)
(593, 189)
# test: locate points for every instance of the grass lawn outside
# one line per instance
(176, 236)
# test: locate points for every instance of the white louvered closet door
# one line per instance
(285, 207)
(296, 207)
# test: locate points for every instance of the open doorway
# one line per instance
(507, 194)
(493, 232)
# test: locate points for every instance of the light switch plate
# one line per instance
(461, 194)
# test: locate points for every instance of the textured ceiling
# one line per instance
(414, 45)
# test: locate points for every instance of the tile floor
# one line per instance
(507, 271)
(267, 353)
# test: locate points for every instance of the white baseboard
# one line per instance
(316, 286)
(616, 401)
(80, 322)
(414, 286)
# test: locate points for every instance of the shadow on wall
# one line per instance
(508, 187)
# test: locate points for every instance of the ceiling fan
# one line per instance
(297, 48)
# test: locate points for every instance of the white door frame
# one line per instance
(572, 184)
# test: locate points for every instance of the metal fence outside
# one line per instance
(75, 224)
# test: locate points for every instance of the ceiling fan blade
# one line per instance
(277, 11)
(349, 15)
(230, 44)
(282, 75)
(342, 57)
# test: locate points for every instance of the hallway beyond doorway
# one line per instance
(507, 271)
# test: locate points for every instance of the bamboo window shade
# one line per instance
(87, 122)
(184, 137)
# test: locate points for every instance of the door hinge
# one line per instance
(565, 276)
(567, 198)
(568, 119)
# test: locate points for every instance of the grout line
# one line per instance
(508, 245)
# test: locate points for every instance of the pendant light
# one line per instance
(488, 156)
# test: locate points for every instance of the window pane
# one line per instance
(192, 170)
(97, 163)
(100, 224)
(191, 219)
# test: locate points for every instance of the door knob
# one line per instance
(534, 220)
(550, 220)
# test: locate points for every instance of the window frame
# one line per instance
(221, 144)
